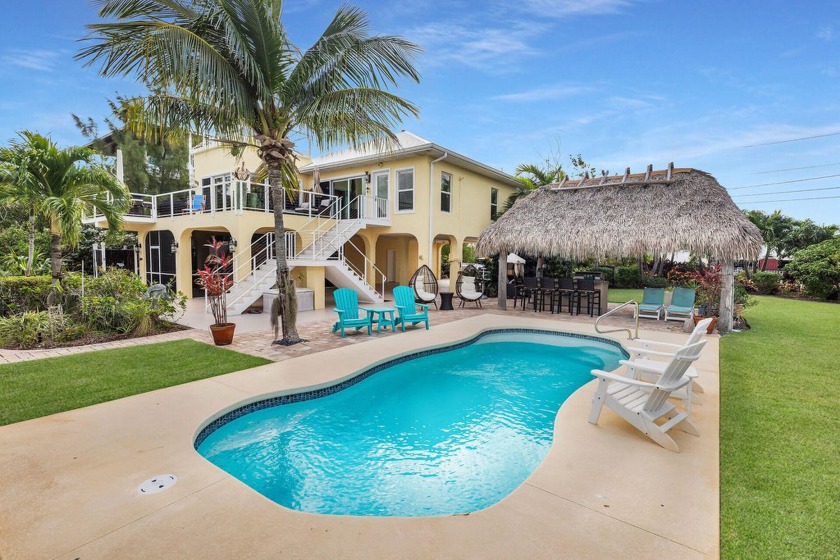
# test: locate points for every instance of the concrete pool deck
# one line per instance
(605, 491)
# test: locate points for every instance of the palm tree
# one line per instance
(14, 190)
(229, 71)
(531, 177)
(61, 185)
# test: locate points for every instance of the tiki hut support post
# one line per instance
(502, 278)
(727, 296)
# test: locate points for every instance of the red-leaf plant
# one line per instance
(215, 279)
(709, 288)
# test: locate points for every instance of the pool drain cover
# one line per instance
(157, 484)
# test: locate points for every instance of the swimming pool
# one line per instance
(442, 431)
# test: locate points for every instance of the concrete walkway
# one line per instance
(254, 335)
(604, 491)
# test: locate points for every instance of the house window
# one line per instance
(445, 192)
(494, 203)
(405, 190)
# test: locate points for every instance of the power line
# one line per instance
(785, 182)
(787, 192)
(790, 200)
(795, 168)
(792, 140)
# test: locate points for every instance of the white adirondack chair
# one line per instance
(651, 353)
(643, 404)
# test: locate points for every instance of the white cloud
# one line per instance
(543, 93)
(39, 60)
(491, 49)
(567, 8)
(826, 33)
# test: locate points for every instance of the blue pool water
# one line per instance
(450, 432)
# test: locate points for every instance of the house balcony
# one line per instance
(239, 197)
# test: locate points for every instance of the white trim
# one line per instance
(397, 191)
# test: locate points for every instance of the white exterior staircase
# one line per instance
(323, 241)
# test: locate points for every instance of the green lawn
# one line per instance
(780, 433)
(620, 295)
(41, 387)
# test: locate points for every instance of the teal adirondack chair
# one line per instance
(407, 308)
(682, 305)
(652, 303)
(347, 307)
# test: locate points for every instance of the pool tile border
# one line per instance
(332, 389)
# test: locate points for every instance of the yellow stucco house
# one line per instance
(364, 219)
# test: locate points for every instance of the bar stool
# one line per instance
(586, 288)
(528, 290)
(565, 289)
(548, 287)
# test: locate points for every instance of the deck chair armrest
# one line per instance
(656, 343)
(650, 352)
(658, 368)
(422, 305)
(609, 376)
(339, 311)
(638, 383)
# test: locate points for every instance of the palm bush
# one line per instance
(25, 330)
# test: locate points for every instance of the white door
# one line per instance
(391, 264)
(380, 190)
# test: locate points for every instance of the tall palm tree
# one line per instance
(61, 184)
(229, 71)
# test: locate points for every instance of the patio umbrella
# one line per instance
(517, 262)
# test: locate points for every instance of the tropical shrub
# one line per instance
(628, 277)
(678, 276)
(116, 302)
(766, 283)
(817, 268)
(25, 330)
(19, 294)
(655, 282)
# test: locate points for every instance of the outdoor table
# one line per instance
(446, 301)
(382, 315)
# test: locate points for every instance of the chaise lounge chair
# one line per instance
(653, 303)
(645, 404)
(682, 305)
(408, 310)
(347, 307)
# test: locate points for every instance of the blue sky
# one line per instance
(727, 87)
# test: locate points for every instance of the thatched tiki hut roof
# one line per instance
(655, 212)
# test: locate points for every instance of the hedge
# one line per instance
(19, 294)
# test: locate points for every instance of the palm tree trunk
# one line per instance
(31, 256)
(55, 262)
(286, 307)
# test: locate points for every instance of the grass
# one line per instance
(780, 433)
(620, 295)
(41, 387)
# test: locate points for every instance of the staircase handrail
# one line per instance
(363, 274)
(630, 334)
(250, 267)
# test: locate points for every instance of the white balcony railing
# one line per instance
(241, 196)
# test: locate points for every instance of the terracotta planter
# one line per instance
(222, 334)
(712, 325)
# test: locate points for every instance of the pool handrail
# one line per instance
(630, 334)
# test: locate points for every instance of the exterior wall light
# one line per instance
(174, 247)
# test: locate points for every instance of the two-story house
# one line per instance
(365, 219)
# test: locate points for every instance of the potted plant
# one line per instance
(215, 280)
